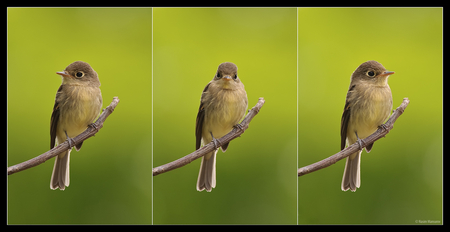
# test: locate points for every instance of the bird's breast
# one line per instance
(224, 111)
(79, 109)
(371, 108)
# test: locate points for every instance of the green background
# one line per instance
(256, 183)
(110, 178)
(299, 59)
(401, 178)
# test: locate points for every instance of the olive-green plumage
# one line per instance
(222, 106)
(78, 102)
(367, 106)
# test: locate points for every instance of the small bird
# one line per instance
(367, 106)
(78, 102)
(222, 106)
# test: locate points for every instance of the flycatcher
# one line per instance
(367, 106)
(78, 102)
(222, 106)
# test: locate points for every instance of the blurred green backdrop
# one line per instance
(401, 179)
(110, 177)
(256, 182)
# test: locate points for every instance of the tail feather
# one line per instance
(207, 174)
(352, 173)
(60, 175)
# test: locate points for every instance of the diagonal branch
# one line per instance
(380, 133)
(89, 132)
(236, 132)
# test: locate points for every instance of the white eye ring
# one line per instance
(79, 74)
(370, 73)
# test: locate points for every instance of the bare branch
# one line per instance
(380, 133)
(89, 132)
(236, 132)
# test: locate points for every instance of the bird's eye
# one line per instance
(218, 75)
(79, 74)
(235, 76)
(371, 73)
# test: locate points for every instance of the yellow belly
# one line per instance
(366, 115)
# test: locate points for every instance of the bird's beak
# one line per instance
(227, 78)
(387, 73)
(63, 73)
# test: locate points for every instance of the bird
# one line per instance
(223, 104)
(78, 102)
(367, 106)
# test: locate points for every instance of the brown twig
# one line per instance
(236, 132)
(380, 133)
(89, 132)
